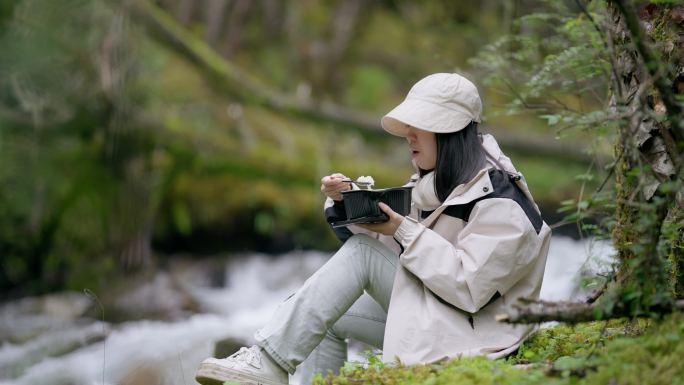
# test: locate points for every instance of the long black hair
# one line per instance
(460, 155)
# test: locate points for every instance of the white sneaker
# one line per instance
(246, 367)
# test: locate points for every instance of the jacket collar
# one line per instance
(477, 187)
(492, 147)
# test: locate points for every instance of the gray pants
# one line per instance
(311, 326)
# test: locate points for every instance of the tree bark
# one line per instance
(649, 83)
(273, 11)
(232, 39)
(186, 11)
(656, 69)
(215, 18)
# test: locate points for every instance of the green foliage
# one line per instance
(367, 87)
(6, 11)
(667, 2)
(110, 143)
(549, 179)
(555, 64)
(59, 179)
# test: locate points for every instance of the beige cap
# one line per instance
(438, 103)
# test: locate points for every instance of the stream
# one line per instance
(55, 339)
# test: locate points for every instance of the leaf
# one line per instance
(551, 120)
(569, 363)
(587, 177)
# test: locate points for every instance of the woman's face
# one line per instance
(423, 148)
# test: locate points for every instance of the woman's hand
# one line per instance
(389, 227)
(332, 186)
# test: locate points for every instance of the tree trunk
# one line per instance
(186, 11)
(273, 17)
(647, 234)
(236, 23)
(648, 172)
(347, 21)
(215, 19)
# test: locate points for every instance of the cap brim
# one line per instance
(424, 115)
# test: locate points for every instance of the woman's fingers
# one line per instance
(333, 179)
(332, 185)
(389, 227)
(385, 208)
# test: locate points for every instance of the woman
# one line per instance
(422, 287)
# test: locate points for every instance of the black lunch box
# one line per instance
(361, 206)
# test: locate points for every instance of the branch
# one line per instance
(233, 80)
(608, 47)
(543, 311)
(15, 117)
(610, 174)
(598, 293)
(536, 311)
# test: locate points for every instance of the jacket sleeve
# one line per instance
(491, 253)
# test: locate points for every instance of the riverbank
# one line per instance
(157, 327)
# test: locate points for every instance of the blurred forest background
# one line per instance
(131, 131)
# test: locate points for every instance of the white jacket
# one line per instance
(483, 248)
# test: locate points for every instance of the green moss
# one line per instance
(553, 343)
(655, 358)
(673, 246)
(613, 352)
(463, 371)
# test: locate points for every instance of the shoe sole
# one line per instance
(212, 374)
